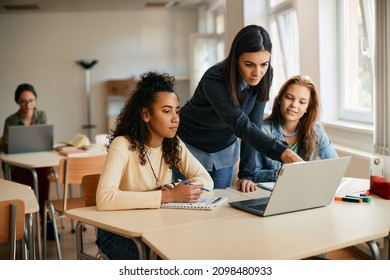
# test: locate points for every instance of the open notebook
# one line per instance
(204, 203)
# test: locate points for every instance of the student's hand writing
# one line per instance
(182, 193)
(289, 156)
(246, 185)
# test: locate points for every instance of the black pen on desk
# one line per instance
(189, 183)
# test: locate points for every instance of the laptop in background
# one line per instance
(300, 186)
(30, 138)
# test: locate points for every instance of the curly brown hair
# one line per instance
(130, 124)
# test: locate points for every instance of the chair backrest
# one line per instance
(90, 183)
(11, 223)
(71, 170)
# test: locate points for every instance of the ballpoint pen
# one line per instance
(189, 183)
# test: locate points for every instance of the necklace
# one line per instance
(293, 133)
(154, 173)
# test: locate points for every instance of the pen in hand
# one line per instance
(189, 183)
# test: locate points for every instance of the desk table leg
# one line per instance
(79, 243)
(81, 255)
(37, 219)
(374, 248)
(153, 255)
(7, 171)
(141, 248)
(30, 236)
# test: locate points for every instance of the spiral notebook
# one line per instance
(204, 203)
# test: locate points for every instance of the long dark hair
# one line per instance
(306, 134)
(130, 124)
(251, 38)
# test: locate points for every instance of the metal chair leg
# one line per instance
(13, 231)
(58, 190)
(49, 207)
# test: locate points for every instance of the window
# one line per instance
(356, 45)
(207, 47)
(283, 30)
(355, 53)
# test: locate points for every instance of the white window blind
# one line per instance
(382, 97)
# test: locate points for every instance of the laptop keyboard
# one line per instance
(260, 207)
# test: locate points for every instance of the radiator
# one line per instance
(362, 164)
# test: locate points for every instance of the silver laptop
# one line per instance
(300, 186)
(31, 138)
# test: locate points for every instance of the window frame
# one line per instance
(359, 115)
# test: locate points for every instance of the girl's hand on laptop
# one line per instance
(246, 185)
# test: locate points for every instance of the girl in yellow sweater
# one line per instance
(143, 150)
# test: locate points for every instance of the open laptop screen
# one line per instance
(31, 138)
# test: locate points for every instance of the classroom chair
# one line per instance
(70, 171)
(90, 183)
(12, 224)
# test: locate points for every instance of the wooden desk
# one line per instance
(6, 185)
(12, 190)
(133, 223)
(34, 160)
(356, 186)
(30, 161)
(288, 236)
(227, 233)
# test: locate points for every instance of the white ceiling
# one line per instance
(23, 6)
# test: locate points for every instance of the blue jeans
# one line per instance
(222, 178)
(117, 247)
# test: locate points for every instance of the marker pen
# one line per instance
(348, 199)
(365, 199)
(366, 193)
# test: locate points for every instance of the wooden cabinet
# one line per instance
(117, 93)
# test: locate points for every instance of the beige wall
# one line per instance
(42, 49)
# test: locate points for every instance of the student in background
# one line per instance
(228, 104)
(143, 151)
(293, 120)
(28, 114)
